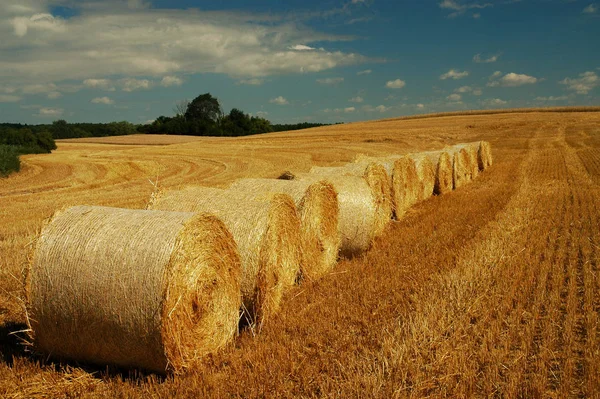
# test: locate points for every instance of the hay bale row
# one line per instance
(160, 288)
(133, 288)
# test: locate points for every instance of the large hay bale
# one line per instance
(267, 234)
(472, 150)
(357, 221)
(426, 173)
(134, 288)
(442, 162)
(376, 178)
(318, 209)
(484, 155)
(461, 166)
(405, 185)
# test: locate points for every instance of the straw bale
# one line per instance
(266, 232)
(377, 179)
(461, 166)
(134, 288)
(484, 155)
(472, 150)
(357, 221)
(426, 174)
(405, 184)
(318, 209)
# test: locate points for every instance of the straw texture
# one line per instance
(472, 150)
(267, 234)
(134, 288)
(461, 168)
(426, 173)
(484, 155)
(442, 162)
(318, 209)
(357, 223)
(376, 177)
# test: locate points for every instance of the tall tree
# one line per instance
(204, 108)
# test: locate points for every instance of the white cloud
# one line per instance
(39, 88)
(50, 112)
(395, 84)
(106, 39)
(454, 97)
(459, 8)
(301, 47)
(511, 80)
(477, 92)
(169, 81)
(420, 106)
(494, 102)
(349, 109)
(454, 74)
(131, 84)
(379, 108)
(102, 100)
(552, 98)
(251, 82)
(262, 114)
(477, 58)
(464, 89)
(591, 9)
(330, 81)
(53, 95)
(279, 101)
(357, 99)
(586, 82)
(8, 98)
(365, 72)
(102, 84)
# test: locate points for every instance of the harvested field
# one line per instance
(491, 290)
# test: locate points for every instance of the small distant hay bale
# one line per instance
(134, 288)
(357, 221)
(267, 234)
(405, 184)
(318, 209)
(426, 173)
(377, 179)
(484, 155)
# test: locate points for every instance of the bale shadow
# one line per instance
(11, 341)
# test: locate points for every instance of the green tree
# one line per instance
(204, 108)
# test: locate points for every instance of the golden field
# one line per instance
(492, 290)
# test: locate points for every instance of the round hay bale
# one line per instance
(377, 179)
(318, 209)
(484, 155)
(357, 221)
(473, 165)
(426, 174)
(405, 185)
(461, 166)
(267, 234)
(134, 288)
(442, 162)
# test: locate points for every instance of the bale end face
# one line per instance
(484, 155)
(444, 182)
(405, 185)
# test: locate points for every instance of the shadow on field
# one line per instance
(11, 341)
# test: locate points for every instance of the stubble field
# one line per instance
(492, 290)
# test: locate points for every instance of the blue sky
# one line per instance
(293, 61)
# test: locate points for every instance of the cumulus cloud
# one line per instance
(102, 84)
(591, 9)
(39, 88)
(50, 112)
(365, 72)
(552, 98)
(477, 58)
(330, 81)
(9, 98)
(108, 39)
(262, 114)
(132, 84)
(169, 81)
(379, 108)
(395, 84)
(349, 109)
(459, 7)
(454, 74)
(53, 95)
(511, 80)
(279, 101)
(586, 82)
(464, 89)
(357, 99)
(454, 97)
(102, 100)
(251, 82)
(420, 106)
(494, 102)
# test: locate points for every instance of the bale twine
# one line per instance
(405, 185)
(377, 179)
(484, 155)
(318, 209)
(357, 220)
(426, 174)
(134, 288)
(267, 234)
(471, 149)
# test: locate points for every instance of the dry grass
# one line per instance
(490, 291)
